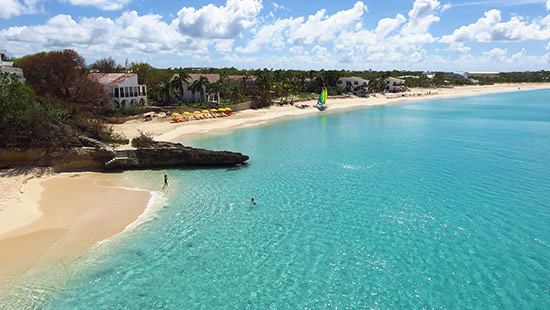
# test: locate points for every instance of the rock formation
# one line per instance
(101, 158)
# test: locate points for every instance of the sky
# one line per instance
(426, 35)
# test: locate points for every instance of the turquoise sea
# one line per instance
(440, 204)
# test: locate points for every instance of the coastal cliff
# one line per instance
(100, 158)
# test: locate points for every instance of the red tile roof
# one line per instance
(212, 77)
(110, 78)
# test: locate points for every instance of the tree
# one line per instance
(165, 90)
(202, 85)
(25, 121)
(179, 81)
(61, 75)
(264, 87)
(106, 65)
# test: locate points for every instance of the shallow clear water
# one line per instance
(439, 204)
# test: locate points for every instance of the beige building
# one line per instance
(190, 96)
(395, 85)
(356, 85)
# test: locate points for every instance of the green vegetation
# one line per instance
(59, 103)
(143, 140)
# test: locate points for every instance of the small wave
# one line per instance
(156, 201)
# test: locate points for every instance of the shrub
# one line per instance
(143, 140)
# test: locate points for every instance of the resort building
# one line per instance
(7, 66)
(356, 85)
(395, 85)
(123, 89)
(483, 74)
(205, 93)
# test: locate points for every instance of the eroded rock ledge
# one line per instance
(98, 158)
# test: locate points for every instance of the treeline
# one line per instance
(54, 107)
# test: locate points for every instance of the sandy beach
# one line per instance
(162, 129)
(44, 216)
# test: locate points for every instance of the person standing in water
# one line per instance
(165, 181)
(252, 201)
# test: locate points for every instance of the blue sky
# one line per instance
(468, 35)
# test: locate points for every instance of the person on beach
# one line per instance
(252, 201)
(165, 181)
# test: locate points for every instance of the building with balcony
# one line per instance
(123, 89)
(7, 66)
(356, 85)
(395, 85)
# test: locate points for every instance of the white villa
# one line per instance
(7, 66)
(358, 86)
(123, 89)
(395, 85)
(190, 96)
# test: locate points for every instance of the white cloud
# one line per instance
(491, 29)
(224, 46)
(320, 29)
(387, 25)
(11, 8)
(223, 22)
(446, 7)
(548, 5)
(107, 5)
(421, 17)
(496, 54)
(271, 34)
(128, 34)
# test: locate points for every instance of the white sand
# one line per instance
(163, 129)
(58, 215)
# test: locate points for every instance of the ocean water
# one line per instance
(430, 205)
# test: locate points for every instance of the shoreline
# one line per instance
(36, 229)
(162, 129)
(63, 214)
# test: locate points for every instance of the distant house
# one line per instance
(483, 74)
(356, 85)
(395, 85)
(123, 89)
(7, 66)
(238, 78)
(190, 96)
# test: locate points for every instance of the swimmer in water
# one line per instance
(252, 201)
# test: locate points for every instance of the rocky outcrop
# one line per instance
(98, 158)
(164, 154)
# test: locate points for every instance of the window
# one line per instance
(116, 92)
(144, 91)
(122, 92)
(126, 92)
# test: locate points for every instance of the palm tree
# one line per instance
(237, 93)
(165, 90)
(179, 81)
(201, 84)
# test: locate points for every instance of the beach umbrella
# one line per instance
(196, 112)
(186, 113)
(221, 110)
(228, 109)
(213, 110)
(175, 114)
(205, 111)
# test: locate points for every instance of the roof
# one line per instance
(212, 77)
(395, 79)
(240, 77)
(111, 78)
(353, 77)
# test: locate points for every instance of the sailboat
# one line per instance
(322, 100)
